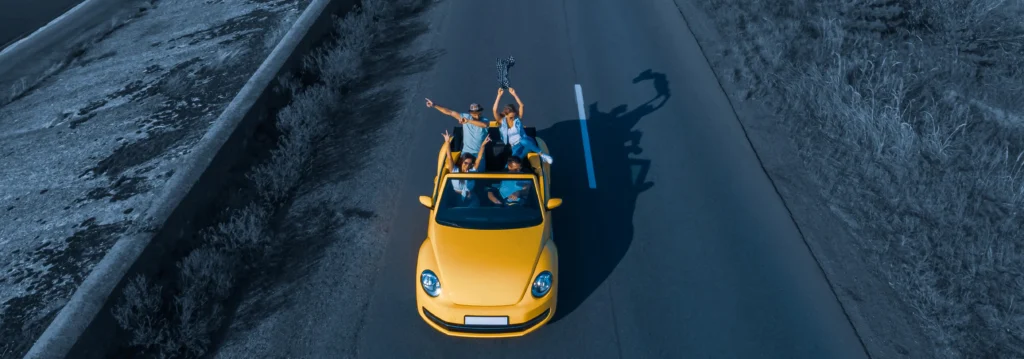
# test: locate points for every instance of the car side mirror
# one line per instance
(426, 201)
(554, 203)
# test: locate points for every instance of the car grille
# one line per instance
(487, 329)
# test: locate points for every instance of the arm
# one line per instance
(447, 151)
(490, 195)
(518, 101)
(482, 153)
(476, 123)
(446, 111)
(494, 110)
(515, 195)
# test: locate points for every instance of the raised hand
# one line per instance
(512, 91)
(447, 137)
(430, 103)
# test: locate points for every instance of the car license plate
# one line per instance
(471, 320)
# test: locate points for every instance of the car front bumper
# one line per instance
(523, 318)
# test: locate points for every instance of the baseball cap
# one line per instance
(475, 107)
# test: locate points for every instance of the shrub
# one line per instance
(138, 312)
(206, 276)
(245, 232)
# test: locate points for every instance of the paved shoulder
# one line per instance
(701, 256)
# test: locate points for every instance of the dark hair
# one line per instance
(515, 159)
(510, 108)
(466, 156)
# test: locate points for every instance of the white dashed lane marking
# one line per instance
(586, 137)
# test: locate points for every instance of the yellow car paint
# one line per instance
(488, 272)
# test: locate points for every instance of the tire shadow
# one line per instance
(593, 229)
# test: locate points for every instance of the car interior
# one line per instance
(497, 156)
(498, 152)
(452, 199)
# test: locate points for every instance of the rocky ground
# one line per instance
(82, 152)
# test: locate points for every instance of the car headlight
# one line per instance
(430, 284)
(541, 284)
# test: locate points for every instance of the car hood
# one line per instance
(486, 267)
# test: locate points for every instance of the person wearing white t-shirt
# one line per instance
(467, 163)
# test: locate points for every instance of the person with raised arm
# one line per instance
(467, 163)
(511, 128)
(474, 126)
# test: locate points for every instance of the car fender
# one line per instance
(546, 261)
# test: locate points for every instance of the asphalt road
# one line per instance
(18, 18)
(683, 249)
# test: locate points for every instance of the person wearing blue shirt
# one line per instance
(474, 126)
(511, 128)
(512, 192)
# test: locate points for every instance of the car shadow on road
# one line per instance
(594, 227)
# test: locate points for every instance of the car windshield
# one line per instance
(489, 203)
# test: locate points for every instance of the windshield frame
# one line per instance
(492, 176)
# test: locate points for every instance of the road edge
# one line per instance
(192, 187)
(828, 275)
(879, 320)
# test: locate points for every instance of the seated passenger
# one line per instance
(467, 163)
(511, 128)
(511, 191)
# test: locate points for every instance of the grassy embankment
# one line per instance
(909, 115)
(181, 312)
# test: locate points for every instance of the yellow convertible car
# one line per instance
(488, 267)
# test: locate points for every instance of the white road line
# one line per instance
(586, 137)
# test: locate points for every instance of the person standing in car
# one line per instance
(511, 128)
(474, 127)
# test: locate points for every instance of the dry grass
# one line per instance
(909, 112)
(184, 325)
(274, 36)
(226, 57)
(31, 76)
(206, 278)
(139, 307)
(244, 234)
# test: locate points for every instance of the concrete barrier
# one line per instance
(84, 327)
